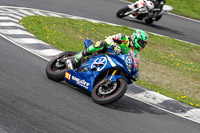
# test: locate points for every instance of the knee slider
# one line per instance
(100, 44)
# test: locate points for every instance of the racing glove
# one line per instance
(116, 48)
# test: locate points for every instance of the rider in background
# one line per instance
(119, 42)
(158, 7)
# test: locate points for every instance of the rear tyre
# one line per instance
(56, 71)
(101, 95)
(121, 12)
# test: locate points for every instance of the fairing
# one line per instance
(98, 65)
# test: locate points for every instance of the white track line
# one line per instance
(14, 16)
(39, 13)
(16, 31)
(23, 47)
(8, 18)
(30, 40)
(192, 113)
(184, 17)
(26, 12)
(11, 24)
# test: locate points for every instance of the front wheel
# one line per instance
(105, 95)
(56, 68)
(158, 18)
(122, 12)
(148, 21)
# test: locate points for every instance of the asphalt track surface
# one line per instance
(29, 102)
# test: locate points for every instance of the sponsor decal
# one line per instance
(136, 63)
(80, 82)
(99, 61)
(67, 75)
(128, 59)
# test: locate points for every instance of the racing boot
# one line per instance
(154, 18)
(156, 12)
(71, 62)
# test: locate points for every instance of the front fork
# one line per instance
(109, 82)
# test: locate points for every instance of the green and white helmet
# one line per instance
(139, 39)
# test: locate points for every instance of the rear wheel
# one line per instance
(121, 12)
(56, 68)
(106, 95)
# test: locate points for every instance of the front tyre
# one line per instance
(158, 18)
(148, 21)
(122, 12)
(56, 68)
(101, 95)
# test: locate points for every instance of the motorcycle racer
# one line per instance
(119, 42)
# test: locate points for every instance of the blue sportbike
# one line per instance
(105, 75)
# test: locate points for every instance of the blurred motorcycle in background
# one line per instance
(144, 10)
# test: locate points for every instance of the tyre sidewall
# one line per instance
(124, 10)
(57, 76)
(148, 21)
(111, 98)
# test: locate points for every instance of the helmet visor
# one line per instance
(142, 43)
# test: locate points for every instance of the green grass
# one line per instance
(167, 66)
(188, 8)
